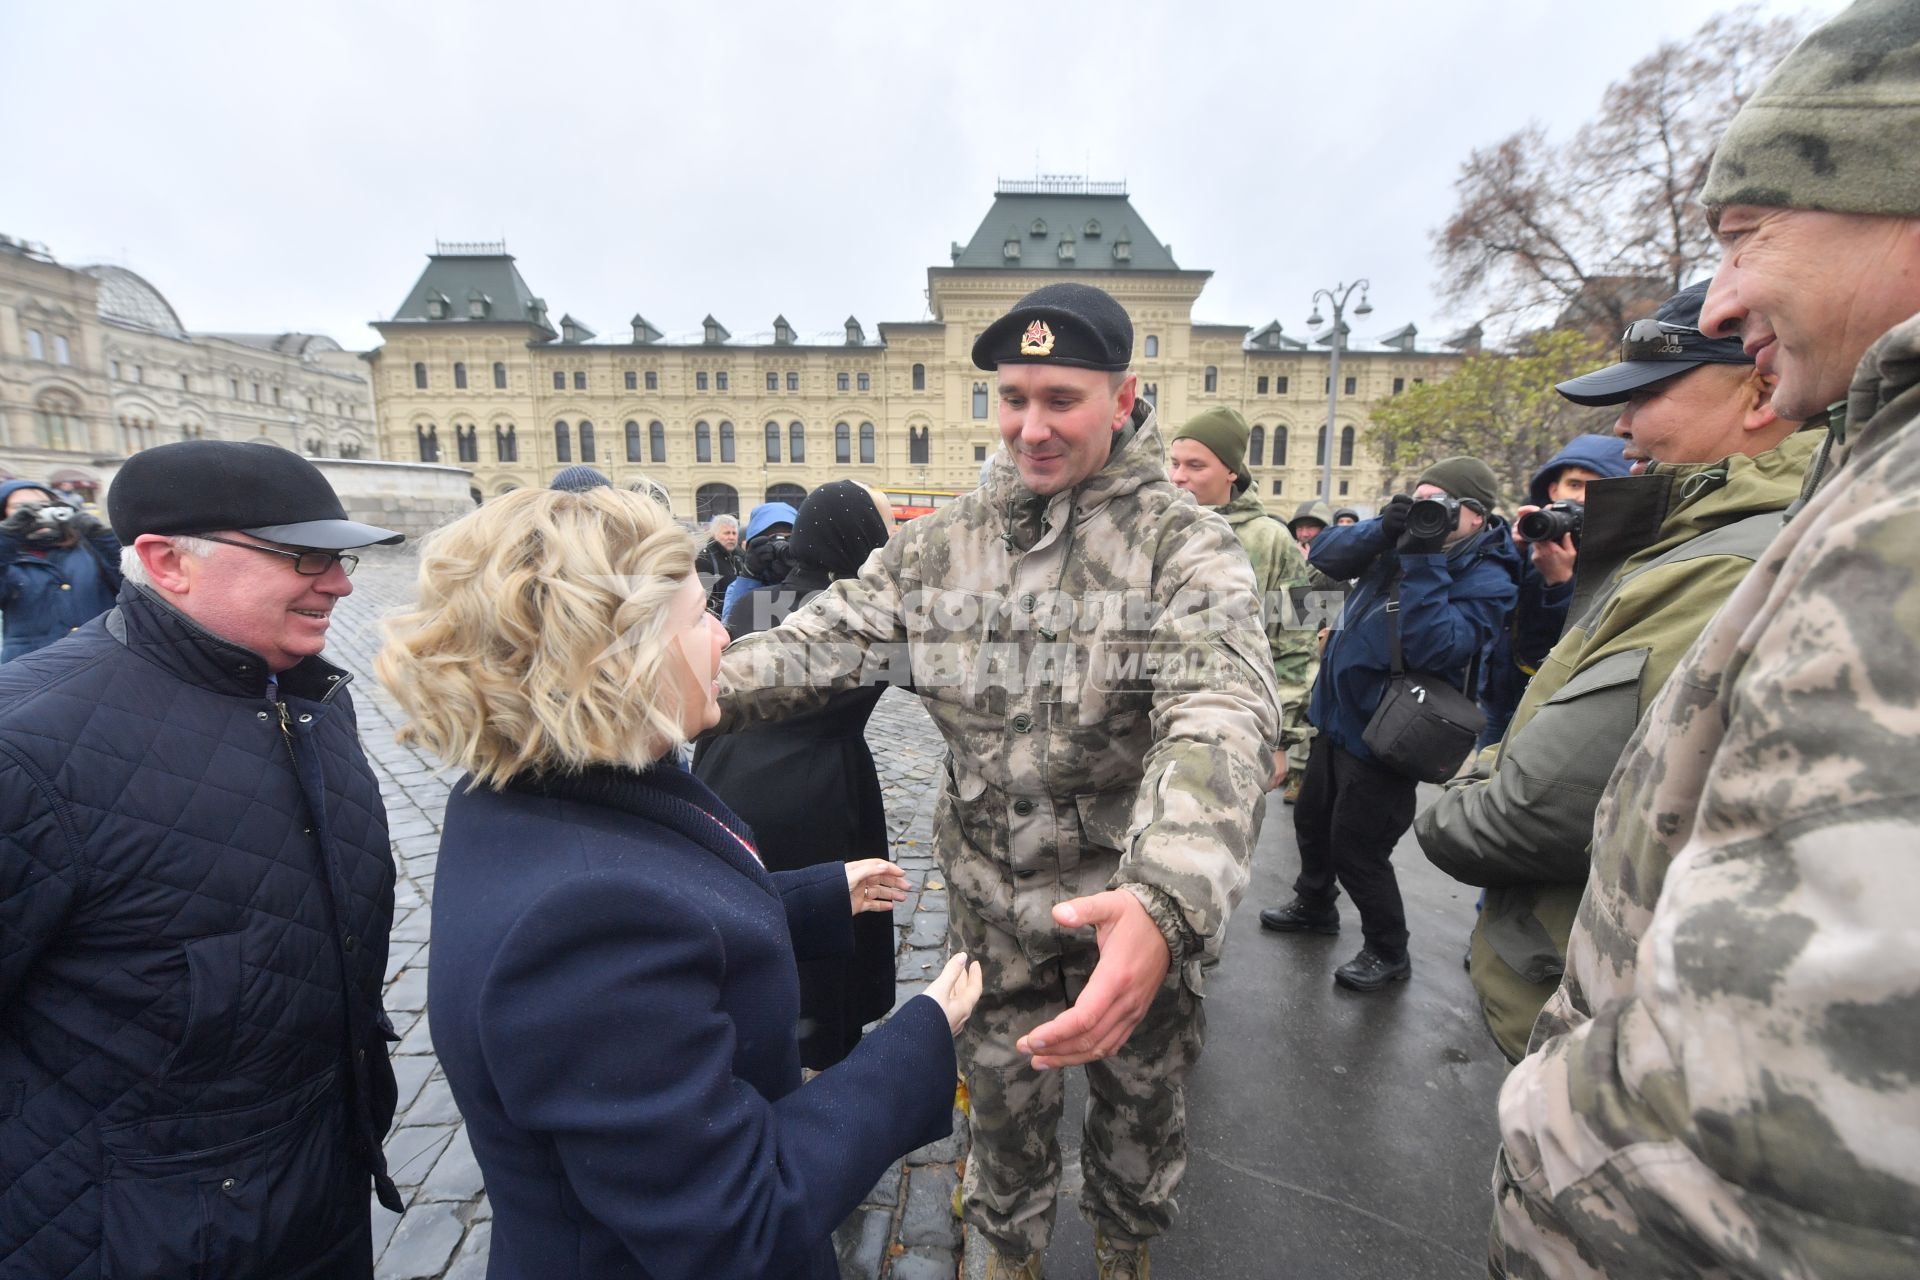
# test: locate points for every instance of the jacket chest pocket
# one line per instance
(214, 977)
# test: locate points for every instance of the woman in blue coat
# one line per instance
(613, 994)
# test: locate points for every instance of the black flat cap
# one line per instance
(1073, 324)
(206, 486)
(1653, 350)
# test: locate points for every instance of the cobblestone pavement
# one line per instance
(906, 1228)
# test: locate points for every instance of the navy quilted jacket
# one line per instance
(193, 925)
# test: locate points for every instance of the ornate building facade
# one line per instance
(472, 370)
(95, 365)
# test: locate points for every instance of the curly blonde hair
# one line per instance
(540, 639)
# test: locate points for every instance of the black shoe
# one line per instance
(1370, 971)
(1298, 917)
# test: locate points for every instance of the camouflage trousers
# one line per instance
(1134, 1147)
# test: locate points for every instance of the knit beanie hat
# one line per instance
(1224, 432)
(579, 479)
(1464, 478)
(1837, 124)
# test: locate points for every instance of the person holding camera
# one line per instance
(1659, 553)
(1547, 532)
(59, 568)
(1436, 575)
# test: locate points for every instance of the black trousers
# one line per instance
(1350, 814)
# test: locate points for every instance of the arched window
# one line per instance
(633, 440)
(919, 377)
(586, 442)
(791, 494)
(505, 447)
(842, 443)
(1213, 378)
(466, 441)
(980, 400)
(1256, 446)
(56, 422)
(562, 442)
(499, 376)
(419, 377)
(866, 443)
(711, 500)
(702, 442)
(726, 442)
(1153, 346)
(1320, 453)
(1280, 445)
(460, 374)
(429, 441)
(773, 442)
(796, 442)
(657, 441)
(917, 446)
(1346, 446)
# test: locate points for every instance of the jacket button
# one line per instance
(1028, 602)
(306, 719)
(66, 586)
(260, 715)
(352, 944)
(1023, 807)
(230, 1185)
(1022, 722)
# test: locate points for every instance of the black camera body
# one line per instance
(1552, 522)
(1433, 517)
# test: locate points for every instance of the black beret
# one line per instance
(207, 486)
(1074, 324)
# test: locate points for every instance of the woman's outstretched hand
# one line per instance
(957, 989)
(874, 884)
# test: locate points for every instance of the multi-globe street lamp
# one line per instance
(1337, 300)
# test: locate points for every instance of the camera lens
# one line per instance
(1550, 523)
(1430, 518)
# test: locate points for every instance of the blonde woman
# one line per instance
(613, 990)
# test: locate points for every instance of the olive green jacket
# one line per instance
(1659, 555)
(1280, 572)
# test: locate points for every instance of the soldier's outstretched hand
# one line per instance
(1133, 964)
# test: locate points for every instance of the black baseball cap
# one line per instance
(1653, 350)
(1072, 324)
(205, 486)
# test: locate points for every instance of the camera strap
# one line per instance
(1396, 656)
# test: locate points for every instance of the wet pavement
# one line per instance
(1333, 1134)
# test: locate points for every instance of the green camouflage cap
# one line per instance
(1837, 124)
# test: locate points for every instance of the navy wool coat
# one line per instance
(194, 903)
(614, 1000)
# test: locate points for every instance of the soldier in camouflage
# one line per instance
(1208, 458)
(1088, 642)
(1727, 1082)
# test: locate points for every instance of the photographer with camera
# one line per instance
(59, 568)
(1659, 553)
(1437, 576)
(1547, 532)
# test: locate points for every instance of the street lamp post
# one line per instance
(1337, 300)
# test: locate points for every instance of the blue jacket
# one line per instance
(193, 929)
(615, 1005)
(44, 596)
(1540, 614)
(1451, 603)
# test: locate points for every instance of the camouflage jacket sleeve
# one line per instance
(1290, 634)
(1745, 1097)
(848, 635)
(1214, 719)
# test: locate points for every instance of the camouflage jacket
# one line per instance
(1727, 1082)
(1280, 573)
(1096, 665)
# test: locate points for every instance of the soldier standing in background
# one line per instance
(1088, 642)
(1728, 1080)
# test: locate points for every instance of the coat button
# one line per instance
(306, 719)
(1028, 602)
(66, 586)
(1023, 807)
(230, 1185)
(260, 715)
(352, 944)
(1022, 722)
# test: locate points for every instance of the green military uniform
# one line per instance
(1316, 582)
(1280, 572)
(1727, 1082)
(1095, 662)
(1660, 555)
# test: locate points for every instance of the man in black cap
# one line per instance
(1088, 640)
(194, 898)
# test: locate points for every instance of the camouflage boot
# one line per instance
(1119, 1262)
(1002, 1267)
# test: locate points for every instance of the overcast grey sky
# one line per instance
(274, 167)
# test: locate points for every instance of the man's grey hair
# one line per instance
(135, 572)
(723, 522)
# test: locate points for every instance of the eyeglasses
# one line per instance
(1654, 340)
(309, 563)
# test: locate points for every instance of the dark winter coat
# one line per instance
(613, 1001)
(47, 594)
(193, 927)
(716, 566)
(1451, 603)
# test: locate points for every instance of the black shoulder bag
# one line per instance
(1423, 728)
